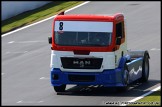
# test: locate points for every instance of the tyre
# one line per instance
(145, 69)
(126, 80)
(60, 88)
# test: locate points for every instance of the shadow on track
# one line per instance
(135, 89)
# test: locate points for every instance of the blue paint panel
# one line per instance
(122, 62)
(135, 69)
(109, 78)
(106, 78)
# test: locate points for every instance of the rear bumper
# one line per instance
(106, 78)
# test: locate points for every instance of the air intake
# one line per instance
(81, 52)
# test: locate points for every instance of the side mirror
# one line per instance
(50, 40)
(118, 40)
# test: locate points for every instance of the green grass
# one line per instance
(35, 15)
(153, 99)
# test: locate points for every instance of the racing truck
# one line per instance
(90, 49)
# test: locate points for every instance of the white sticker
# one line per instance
(83, 26)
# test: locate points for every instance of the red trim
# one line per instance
(85, 18)
(91, 49)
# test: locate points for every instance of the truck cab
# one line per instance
(92, 50)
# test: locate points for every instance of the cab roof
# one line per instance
(89, 17)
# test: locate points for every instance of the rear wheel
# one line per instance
(145, 69)
(60, 88)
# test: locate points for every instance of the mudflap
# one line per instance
(135, 69)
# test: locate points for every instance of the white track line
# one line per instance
(11, 42)
(26, 41)
(137, 98)
(155, 49)
(21, 101)
(43, 20)
(15, 52)
(44, 78)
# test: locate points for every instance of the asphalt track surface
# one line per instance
(26, 59)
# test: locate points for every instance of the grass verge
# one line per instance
(35, 15)
(153, 99)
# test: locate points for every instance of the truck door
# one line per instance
(121, 45)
